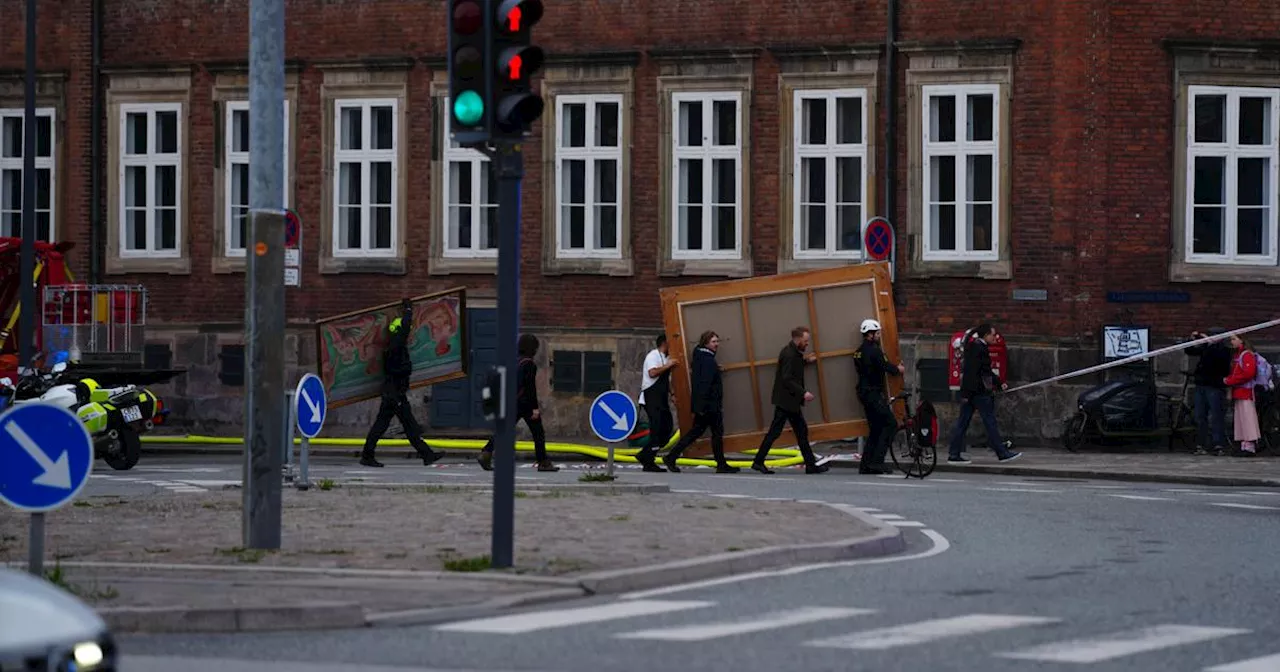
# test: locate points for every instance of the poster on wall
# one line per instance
(1119, 342)
(350, 347)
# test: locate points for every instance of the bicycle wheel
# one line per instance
(910, 457)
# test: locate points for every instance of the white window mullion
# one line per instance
(708, 175)
(590, 243)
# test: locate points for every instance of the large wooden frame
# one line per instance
(831, 302)
(362, 336)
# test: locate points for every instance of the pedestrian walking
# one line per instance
(789, 398)
(707, 406)
(1212, 368)
(526, 406)
(397, 367)
(977, 392)
(1244, 369)
(655, 397)
(873, 366)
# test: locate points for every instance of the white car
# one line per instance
(43, 628)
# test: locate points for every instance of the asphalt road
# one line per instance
(1000, 574)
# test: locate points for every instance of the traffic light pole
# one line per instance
(509, 158)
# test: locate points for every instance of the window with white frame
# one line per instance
(1232, 184)
(366, 196)
(961, 172)
(236, 176)
(707, 175)
(471, 199)
(150, 179)
(829, 169)
(588, 174)
(11, 166)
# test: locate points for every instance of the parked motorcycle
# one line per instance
(115, 417)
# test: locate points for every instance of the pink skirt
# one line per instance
(1246, 421)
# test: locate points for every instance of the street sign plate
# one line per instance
(310, 405)
(292, 229)
(46, 456)
(878, 240)
(613, 416)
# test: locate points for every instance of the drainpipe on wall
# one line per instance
(95, 146)
(890, 116)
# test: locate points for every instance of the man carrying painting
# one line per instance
(397, 367)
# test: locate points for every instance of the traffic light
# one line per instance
(493, 401)
(469, 87)
(515, 60)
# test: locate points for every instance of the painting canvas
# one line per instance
(350, 347)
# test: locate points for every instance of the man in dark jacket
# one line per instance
(527, 408)
(397, 367)
(882, 424)
(708, 406)
(977, 391)
(1212, 368)
(789, 397)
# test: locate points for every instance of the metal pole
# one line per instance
(303, 481)
(265, 310)
(610, 467)
(289, 420)
(510, 172)
(27, 261)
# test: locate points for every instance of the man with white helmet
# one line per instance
(873, 366)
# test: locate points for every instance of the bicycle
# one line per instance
(916, 459)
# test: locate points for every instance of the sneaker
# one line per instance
(430, 456)
(1010, 457)
(963, 459)
(1200, 451)
(368, 461)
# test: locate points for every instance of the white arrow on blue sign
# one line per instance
(613, 416)
(46, 456)
(310, 405)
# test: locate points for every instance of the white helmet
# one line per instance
(870, 325)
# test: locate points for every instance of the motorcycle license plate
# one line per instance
(132, 414)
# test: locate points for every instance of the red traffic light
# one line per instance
(518, 63)
(514, 16)
(466, 16)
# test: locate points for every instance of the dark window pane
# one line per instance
(607, 121)
(690, 123)
(942, 183)
(813, 122)
(942, 118)
(849, 121)
(726, 120)
(607, 227)
(574, 125)
(1211, 118)
(1207, 231)
(166, 132)
(44, 136)
(981, 123)
(383, 133)
(1250, 230)
(566, 371)
(381, 227)
(1255, 121)
(943, 218)
(1210, 180)
(981, 228)
(167, 229)
(44, 188)
(380, 173)
(1251, 181)
(980, 177)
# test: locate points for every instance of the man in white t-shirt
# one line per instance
(655, 393)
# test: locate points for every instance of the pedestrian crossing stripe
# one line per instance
(924, 632)
(1107, 647)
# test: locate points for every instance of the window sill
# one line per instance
(117, 265)
(816, 263)
(982, 270)
(732, 268)
(463, 266)
(587, 266)
(1183, 271)
(384, 265)
(224, 264)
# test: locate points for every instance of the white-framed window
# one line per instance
(471, 199)
(1232, 183)
(588, 175)
(235, 214)
(365, 177)
(706, 176)
(150, 179)
(830, 168)
(11, 187)
(961, 172)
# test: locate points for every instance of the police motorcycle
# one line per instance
(115, 417)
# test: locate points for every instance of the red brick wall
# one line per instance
(1092, 161)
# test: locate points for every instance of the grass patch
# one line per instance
(245, 555)
(81, 504)
(329, 551)
(620, 518)
(325, 484)
(156, 550)
(521, 493)
(58, 577)
(733, 549)
(396, 556)
(477, 563)
(597, 477)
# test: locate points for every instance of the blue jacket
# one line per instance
(708, 389)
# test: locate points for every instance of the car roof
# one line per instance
(34, 613)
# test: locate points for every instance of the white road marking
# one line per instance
(905, 523)
(212, 484)
(1263, 664)
(1144, 498)
(730, 496)
(770, 621)
(1255, 507)
(1185, 491)
(167, 663)
(1034, 490)
(558, 618)
(867, 509)
(888, 516)
(1106, 487)
(1263, 494)
(890, 485)
(928, 631)
(1106, 647)
(689, 492)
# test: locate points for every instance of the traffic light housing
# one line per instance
(470, 85)
(514, 61)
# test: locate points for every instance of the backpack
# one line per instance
(1263, 377)
(926, 427)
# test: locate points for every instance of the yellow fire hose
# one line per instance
(619, 455)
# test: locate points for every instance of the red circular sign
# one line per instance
(292, 228)
(878, 240)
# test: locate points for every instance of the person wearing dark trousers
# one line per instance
(1211, 369)
(526, 406)
(873, 366)
(655, 395)
(708, 405)
(789, 397)
(397, 366)
(977, 392)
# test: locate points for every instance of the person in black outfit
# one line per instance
(655, 397)
(708, 405)
(526, 406)
(397, 366)
(1212, 368)
(873, 366)
(977, 392)
(789, 397)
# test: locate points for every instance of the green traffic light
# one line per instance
(468, 108)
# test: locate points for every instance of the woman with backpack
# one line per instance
(1244, 370)
(526, 406)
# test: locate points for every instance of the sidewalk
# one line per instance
(353, 556)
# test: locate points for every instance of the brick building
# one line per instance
(1038, 159)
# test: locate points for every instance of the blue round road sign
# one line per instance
(879, 240)
(46, 456)
(310, 405)
(613, 416)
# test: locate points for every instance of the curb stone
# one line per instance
(433, 615)
(318, 615)
(1095, 474)
(612, 488)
